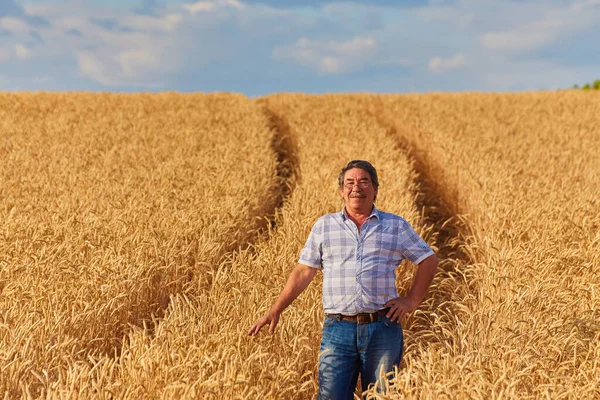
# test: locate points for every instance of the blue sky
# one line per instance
(261, 47)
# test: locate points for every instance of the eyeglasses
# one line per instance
(360, 184)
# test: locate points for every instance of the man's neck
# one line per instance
(358, 216)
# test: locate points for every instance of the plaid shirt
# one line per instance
(359, 268)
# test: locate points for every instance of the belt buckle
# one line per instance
(364, 318)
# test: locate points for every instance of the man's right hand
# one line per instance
(271, 317)
(299, 279)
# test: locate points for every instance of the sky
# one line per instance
(262, 47)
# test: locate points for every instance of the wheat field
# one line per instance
(142, 235)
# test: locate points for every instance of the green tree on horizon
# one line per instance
(593, 86)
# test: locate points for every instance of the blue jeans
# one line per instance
(348, 349)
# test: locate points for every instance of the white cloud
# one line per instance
(135, 63)
(330, 57)
(139, 66)
(18, 51)
(145, 24)
(585, 4)
(208, 6)
(235, 4)
(201, 6)
(515, 41)
(14, 24)
(529, 37)
(440, 64)
(91, 67)
(39, 8)
(542, 29)
(331, 65)
(458, 17)
(137, 52)
(170, 21)
(22, 52)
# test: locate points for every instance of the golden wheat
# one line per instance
(526, 170)
(200, 349)
(111, 203)
(132, 263)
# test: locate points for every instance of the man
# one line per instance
(358, 250)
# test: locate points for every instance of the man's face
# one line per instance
(358, 190)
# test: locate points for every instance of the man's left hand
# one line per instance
(399, 307)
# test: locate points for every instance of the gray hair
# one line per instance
(365, 166)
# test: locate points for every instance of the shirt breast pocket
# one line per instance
(388, 240)
(337, 253)
(388, 246)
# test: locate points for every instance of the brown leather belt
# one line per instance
(362, 318)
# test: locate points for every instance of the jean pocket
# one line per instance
(389, 323)
(329, 321)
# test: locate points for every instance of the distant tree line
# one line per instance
(593, 86)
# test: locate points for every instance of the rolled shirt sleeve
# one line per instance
(312, 252)
(414, 248)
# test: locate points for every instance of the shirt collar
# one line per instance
(374, 213)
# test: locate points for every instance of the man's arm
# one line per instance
(299, 279)
(403, 305)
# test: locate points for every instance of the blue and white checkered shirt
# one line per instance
(359, 268)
